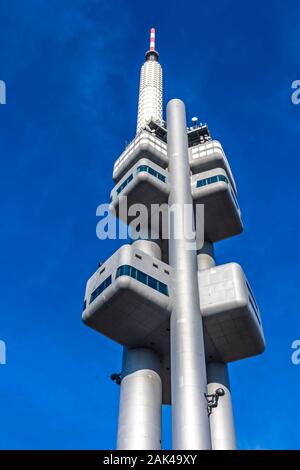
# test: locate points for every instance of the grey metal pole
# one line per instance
(221, 419)
(139, 425)
(188, 370)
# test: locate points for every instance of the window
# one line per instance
(150, 281)
(138, 256)
(152, 172)
(140, 169)
(142, 277)
(124, 270)
(102, 271)
(163, 288)
(100, 289)
(210, 180)
(124, 184)
(155, 265)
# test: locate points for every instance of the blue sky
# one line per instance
(72, 71)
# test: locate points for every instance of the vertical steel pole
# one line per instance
(188, 370)
(221, 418)
(139, 425)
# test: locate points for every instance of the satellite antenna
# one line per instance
(194, 120)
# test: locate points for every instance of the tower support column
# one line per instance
(152, 247)
(141, 386)
(190, 424)
(139, 425)
(205, 256)
(221, 419)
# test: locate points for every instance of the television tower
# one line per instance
(179, 317)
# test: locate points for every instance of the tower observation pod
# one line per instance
(179, 316)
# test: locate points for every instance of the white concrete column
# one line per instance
(151, 247)
(221, 418)
(205, 256)
(140, 401)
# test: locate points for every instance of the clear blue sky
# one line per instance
(72, 71)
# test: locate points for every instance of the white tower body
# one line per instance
(150, 94)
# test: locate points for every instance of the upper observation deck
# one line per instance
(144, 183)
(146, 144)
(222, 215)
(210, 155)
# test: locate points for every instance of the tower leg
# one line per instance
(140, 401)
(221, 418)
(190, 424)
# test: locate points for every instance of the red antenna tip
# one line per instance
(152, 39)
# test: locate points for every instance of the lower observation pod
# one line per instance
(222, 215)
(233, 327)
(129, 299)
